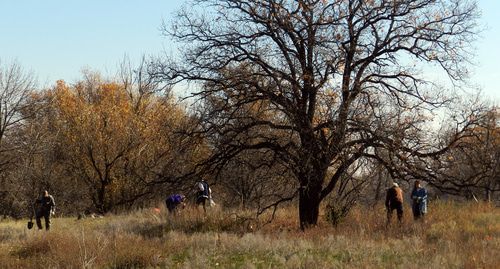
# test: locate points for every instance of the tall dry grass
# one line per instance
(451, 236)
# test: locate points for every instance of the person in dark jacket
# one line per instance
(419, 198)
(173, 201)
(44, 207)
(203, 194)
(394, 201)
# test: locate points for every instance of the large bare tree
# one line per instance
(16, 84)
(344, 79)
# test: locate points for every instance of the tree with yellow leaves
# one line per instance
(121, 150)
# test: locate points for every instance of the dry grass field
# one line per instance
(452, 236)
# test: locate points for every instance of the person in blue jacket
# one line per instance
(173, 201)
(419, 199)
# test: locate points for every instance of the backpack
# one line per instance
(205, 188)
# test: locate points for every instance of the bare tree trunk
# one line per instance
(308, 209)
(487, 194)
(309, 201)
(101, 196)
(377, 190)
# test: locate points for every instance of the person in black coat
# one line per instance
(44, 207)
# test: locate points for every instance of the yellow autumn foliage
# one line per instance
(114, 144)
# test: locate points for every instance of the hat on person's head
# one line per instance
(394, 184)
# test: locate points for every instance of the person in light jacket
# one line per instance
(419, 200)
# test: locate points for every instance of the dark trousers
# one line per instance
(202, 199)
(417, 213)
(46, 215)
(171, 206)
(399, 209)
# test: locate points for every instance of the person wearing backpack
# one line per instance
(203, 194)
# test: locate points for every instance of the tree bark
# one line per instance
(487, 194)
(378, 189)
(309, 201)
(101, 196)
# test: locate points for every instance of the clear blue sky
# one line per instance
(57, 38)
